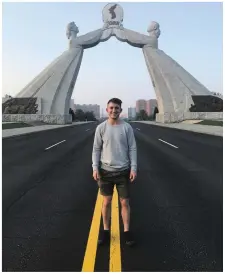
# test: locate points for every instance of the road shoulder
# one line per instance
(211, 130)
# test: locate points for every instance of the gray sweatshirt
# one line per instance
(114, 147)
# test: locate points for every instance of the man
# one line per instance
(114, 162)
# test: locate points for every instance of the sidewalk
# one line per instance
(211, 130)
(27, 130)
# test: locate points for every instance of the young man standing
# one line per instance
(114, 162)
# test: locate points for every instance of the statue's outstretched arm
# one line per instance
(137, 39)
(134, 38)
(89, 39)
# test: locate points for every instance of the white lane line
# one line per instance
(167, 143)
(87, 129)
(138, 128)
(55, 144)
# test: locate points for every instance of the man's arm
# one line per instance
(96, 152)
(132, 149)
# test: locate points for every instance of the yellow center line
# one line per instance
(115, 254)
(90, 253)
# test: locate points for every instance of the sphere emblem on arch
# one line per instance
(112, 12)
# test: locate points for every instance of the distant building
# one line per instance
(94, 108)
(140, 105)
(150, 106)
(147, 105)
(131, 113)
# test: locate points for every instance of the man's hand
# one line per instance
(133, 175)
(96, 175)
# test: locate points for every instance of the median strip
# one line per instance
(92, 243)
(91, 249)
(167, 143)
(115, 254)
(55, 144)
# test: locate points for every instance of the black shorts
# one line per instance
(110, 178)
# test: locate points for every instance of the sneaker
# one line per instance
(104, 238)
(128, 238)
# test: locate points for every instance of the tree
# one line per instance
(151, 117)
(79, 115)
(89, 115)
(138, 116)
(142, 115)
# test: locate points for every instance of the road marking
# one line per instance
(167, 143)
(91, 248)
(55, 144)
(138, 128)
(115, 253)
(87, 129)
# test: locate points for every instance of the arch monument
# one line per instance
(179, 95)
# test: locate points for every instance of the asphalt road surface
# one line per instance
(51, 206)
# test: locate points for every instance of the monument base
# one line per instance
(175, 117)
(46, 118)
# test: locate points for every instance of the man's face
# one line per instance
(113, 110)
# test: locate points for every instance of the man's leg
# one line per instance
(125, 212)
(124, 194)
(106, 190)
(106, 211)
(104, 237)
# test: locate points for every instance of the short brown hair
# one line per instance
(115, 101)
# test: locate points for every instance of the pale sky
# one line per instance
(34, 34)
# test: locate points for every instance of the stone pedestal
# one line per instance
(49, 119)
(174, 117)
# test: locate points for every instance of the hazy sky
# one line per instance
(34, 34)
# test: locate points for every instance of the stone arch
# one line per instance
(175, 88)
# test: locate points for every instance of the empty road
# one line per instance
(51, 206)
